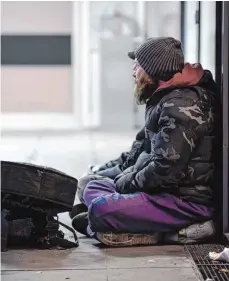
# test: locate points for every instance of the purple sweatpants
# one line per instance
(138, 212)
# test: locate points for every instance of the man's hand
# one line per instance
(127, 171)
(93, 169)
(124, 183)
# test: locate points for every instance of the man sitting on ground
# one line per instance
(161, 189)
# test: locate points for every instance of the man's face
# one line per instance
(136, 70)
(144, 85)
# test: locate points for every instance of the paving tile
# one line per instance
(87, 245)
(58, 275)
(160, 250)
(147, 261)
(155, 274)
(52, 259)
(157, 256)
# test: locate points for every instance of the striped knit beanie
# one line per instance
(161, 58)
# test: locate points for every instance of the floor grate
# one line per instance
(212, 270)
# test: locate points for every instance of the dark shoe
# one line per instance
(80, 223)
(77, 209)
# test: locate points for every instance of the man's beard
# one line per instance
(144, 93)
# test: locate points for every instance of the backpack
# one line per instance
(32, 196)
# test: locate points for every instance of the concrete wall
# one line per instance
(36, 17)
(28, 87)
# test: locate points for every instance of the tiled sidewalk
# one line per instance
(89, 262)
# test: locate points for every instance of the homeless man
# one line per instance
(161, 189)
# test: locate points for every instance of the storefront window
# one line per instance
(199, 33)
(207, 35)
(190, 32)
(163, 19)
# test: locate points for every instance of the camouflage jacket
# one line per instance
(127, 159)
(179, 134)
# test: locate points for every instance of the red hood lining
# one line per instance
(191, 75)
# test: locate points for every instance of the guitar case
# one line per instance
(38, 193)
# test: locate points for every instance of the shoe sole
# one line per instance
(127, 239)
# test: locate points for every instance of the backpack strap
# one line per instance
(55, 237)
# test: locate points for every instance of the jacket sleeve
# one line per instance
(181, 123)
(138, 146)
(112, 163)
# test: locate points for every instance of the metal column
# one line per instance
(225, 74)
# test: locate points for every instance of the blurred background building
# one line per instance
(66, 81)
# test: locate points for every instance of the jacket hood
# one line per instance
(190, 76)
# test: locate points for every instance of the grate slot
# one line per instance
(208, 268)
